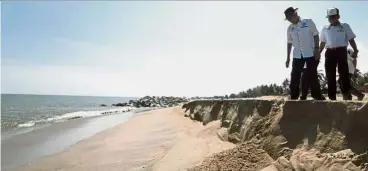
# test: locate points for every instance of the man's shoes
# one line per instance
(347, 97)
(361, 97)
(303, 98)
(320, 98)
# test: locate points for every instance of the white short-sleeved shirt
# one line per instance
(336, 36)
(301, 36)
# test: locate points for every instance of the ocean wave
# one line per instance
(77, 115)
(27, 124)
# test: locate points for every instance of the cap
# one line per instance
(290, 11)
(332, 12)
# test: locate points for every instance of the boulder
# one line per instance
(120, 104)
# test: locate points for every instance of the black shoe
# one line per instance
(303, 98)
(347, 97)
(320, 98)
(361, 97)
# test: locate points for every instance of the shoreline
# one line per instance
(52, 139)
(161, 139)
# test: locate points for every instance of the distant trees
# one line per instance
(285, 85)
(273, 89)
(219, 97)
(262, 90)
(361, 79)
(232, 95)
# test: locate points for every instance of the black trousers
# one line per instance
(310, 77)
(305, 85)
(337, 58)
(353, 90)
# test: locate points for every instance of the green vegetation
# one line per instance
(273, 89)
(361, 79)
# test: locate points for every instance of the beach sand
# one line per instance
(161, 140)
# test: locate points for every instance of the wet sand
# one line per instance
(50, 139)
(157, 140)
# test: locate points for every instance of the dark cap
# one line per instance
(290, 11)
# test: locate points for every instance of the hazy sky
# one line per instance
(182, 48)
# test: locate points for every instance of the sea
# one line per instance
(35, 126)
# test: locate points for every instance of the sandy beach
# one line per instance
(155, 140)
(265, 133)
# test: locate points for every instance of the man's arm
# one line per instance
(354, 64)
(354, 46)
(317, 53)
(321, 46)
(289, 45)
(323, 40)
(351, 36)
(316, 42)
(288, 48)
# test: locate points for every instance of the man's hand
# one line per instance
(355, 53)
(287, 62)
(317, 55)
(356, 72)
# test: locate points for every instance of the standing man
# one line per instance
(352, 63)
(335, 37)
(302, 34)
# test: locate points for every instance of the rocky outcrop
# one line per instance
(295, 134)
(154, 101)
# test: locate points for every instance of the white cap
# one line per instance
(331, 12)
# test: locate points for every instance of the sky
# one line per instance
(178, 48)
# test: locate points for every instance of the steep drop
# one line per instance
(316, 135)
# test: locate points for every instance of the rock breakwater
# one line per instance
(155, 101)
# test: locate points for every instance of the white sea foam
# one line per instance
(76, 115)
(27, 124)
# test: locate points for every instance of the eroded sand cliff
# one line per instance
(286, 135)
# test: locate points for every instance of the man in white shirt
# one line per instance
(352, 74)
(302, 34)
(335, 37)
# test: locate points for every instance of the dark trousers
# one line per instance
(337, 58)
(310, 77)
(353, 90)
(305, 85)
